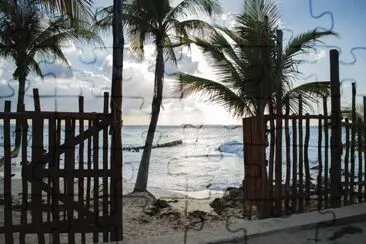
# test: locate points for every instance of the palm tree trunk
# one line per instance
(116, 111)
(20, 108)
(18, 124)
(142, 175)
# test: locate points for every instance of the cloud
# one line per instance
(318, 55)
(57, 68)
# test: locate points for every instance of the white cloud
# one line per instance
(318, 55)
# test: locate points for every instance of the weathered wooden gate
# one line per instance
(67, 184)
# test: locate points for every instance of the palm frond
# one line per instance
(74, 9)
(169, 51)
(35, 67)
(214, 91)
(303, 43)
(189, 7)
(346, 112)
(310, 92)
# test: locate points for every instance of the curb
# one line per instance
(342, 216)
(246, 230)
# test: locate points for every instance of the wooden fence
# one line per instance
(66, 187)
(279, 177)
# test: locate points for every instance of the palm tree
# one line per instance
(26, 35)
(252, 71)
(74, 9)
(162, 24)
(244, 62)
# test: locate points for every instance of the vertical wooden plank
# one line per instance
(24, 211)
(105, 166)
(306, 159)
(256, 181)
(288, 159)
(360, 148)
(81, 166)
(364, 109)
(56, 182)
(96, 180)
(8, 210)
(278, 166)
(37, 153)
(326, 153)
(37, 103)
(301, 160)
(346, 164)
(336, 139)
(51, 151)
(89, 159)
(54, 165)
(320, 163)
(65, 179)
(69, 166)
(364, 146)
(271, 153)
(279, 105)
(353, 142)
(294, 166)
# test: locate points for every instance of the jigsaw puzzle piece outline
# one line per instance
(324, 13)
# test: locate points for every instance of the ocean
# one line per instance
(210, 157)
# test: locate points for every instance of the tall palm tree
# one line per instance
(253, 72)
(244, 61)
(25, 35)
(157, 21)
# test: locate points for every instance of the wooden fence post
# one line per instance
(336, 143)
(8, 210)
(353, 141)
(326, 153)
(37, 152)
(279, 104)
(364, 109)
(255, 181)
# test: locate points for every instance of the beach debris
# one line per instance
(197, 214)
(157, 206)
(159, 203)
(218, 204)
(345, 230)
(172, 215)
(315, 167)
(232, 199)
(234, 193)
(174, 200)
(167, 144)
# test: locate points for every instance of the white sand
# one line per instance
(136, 223)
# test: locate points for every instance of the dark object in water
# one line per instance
(167, 144)
(345, 230)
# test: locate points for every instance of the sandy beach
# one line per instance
(141, 218)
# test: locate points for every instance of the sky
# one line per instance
(91, 67)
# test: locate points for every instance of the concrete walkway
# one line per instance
(353, 233)
(297, 228)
